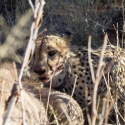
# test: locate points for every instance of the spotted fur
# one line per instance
(75, 62)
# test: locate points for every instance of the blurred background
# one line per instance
(84, 17)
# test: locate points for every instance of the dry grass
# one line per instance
(84, 18)
(102, 108)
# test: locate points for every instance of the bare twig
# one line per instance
(117, 118)
(9, 109)
(90, 62)
(97, 79)
(67, 116)
(101, 116)
(113, 102)
(86, 103)
(48, 96)
(109, 107)
(56, 119)
(31, 4)
(30, 50)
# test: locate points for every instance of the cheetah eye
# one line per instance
(52, 53)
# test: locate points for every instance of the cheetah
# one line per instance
(57, 63)
(62, 109)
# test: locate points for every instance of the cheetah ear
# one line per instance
(42, 33)
(68, 34)
(40, 37)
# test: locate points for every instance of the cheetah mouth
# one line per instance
(47, 78)
(44, 79)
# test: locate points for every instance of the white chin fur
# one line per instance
(54, 79)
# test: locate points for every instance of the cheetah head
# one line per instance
(50, 56)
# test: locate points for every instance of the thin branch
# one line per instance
(31, 4)
(9, 109)
(48, 96)
(113, 102)
(101, 116)
(29, 50)
(86, 103)
(98, 77)
(89, 56)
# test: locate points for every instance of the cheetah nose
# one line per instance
(40, 71)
